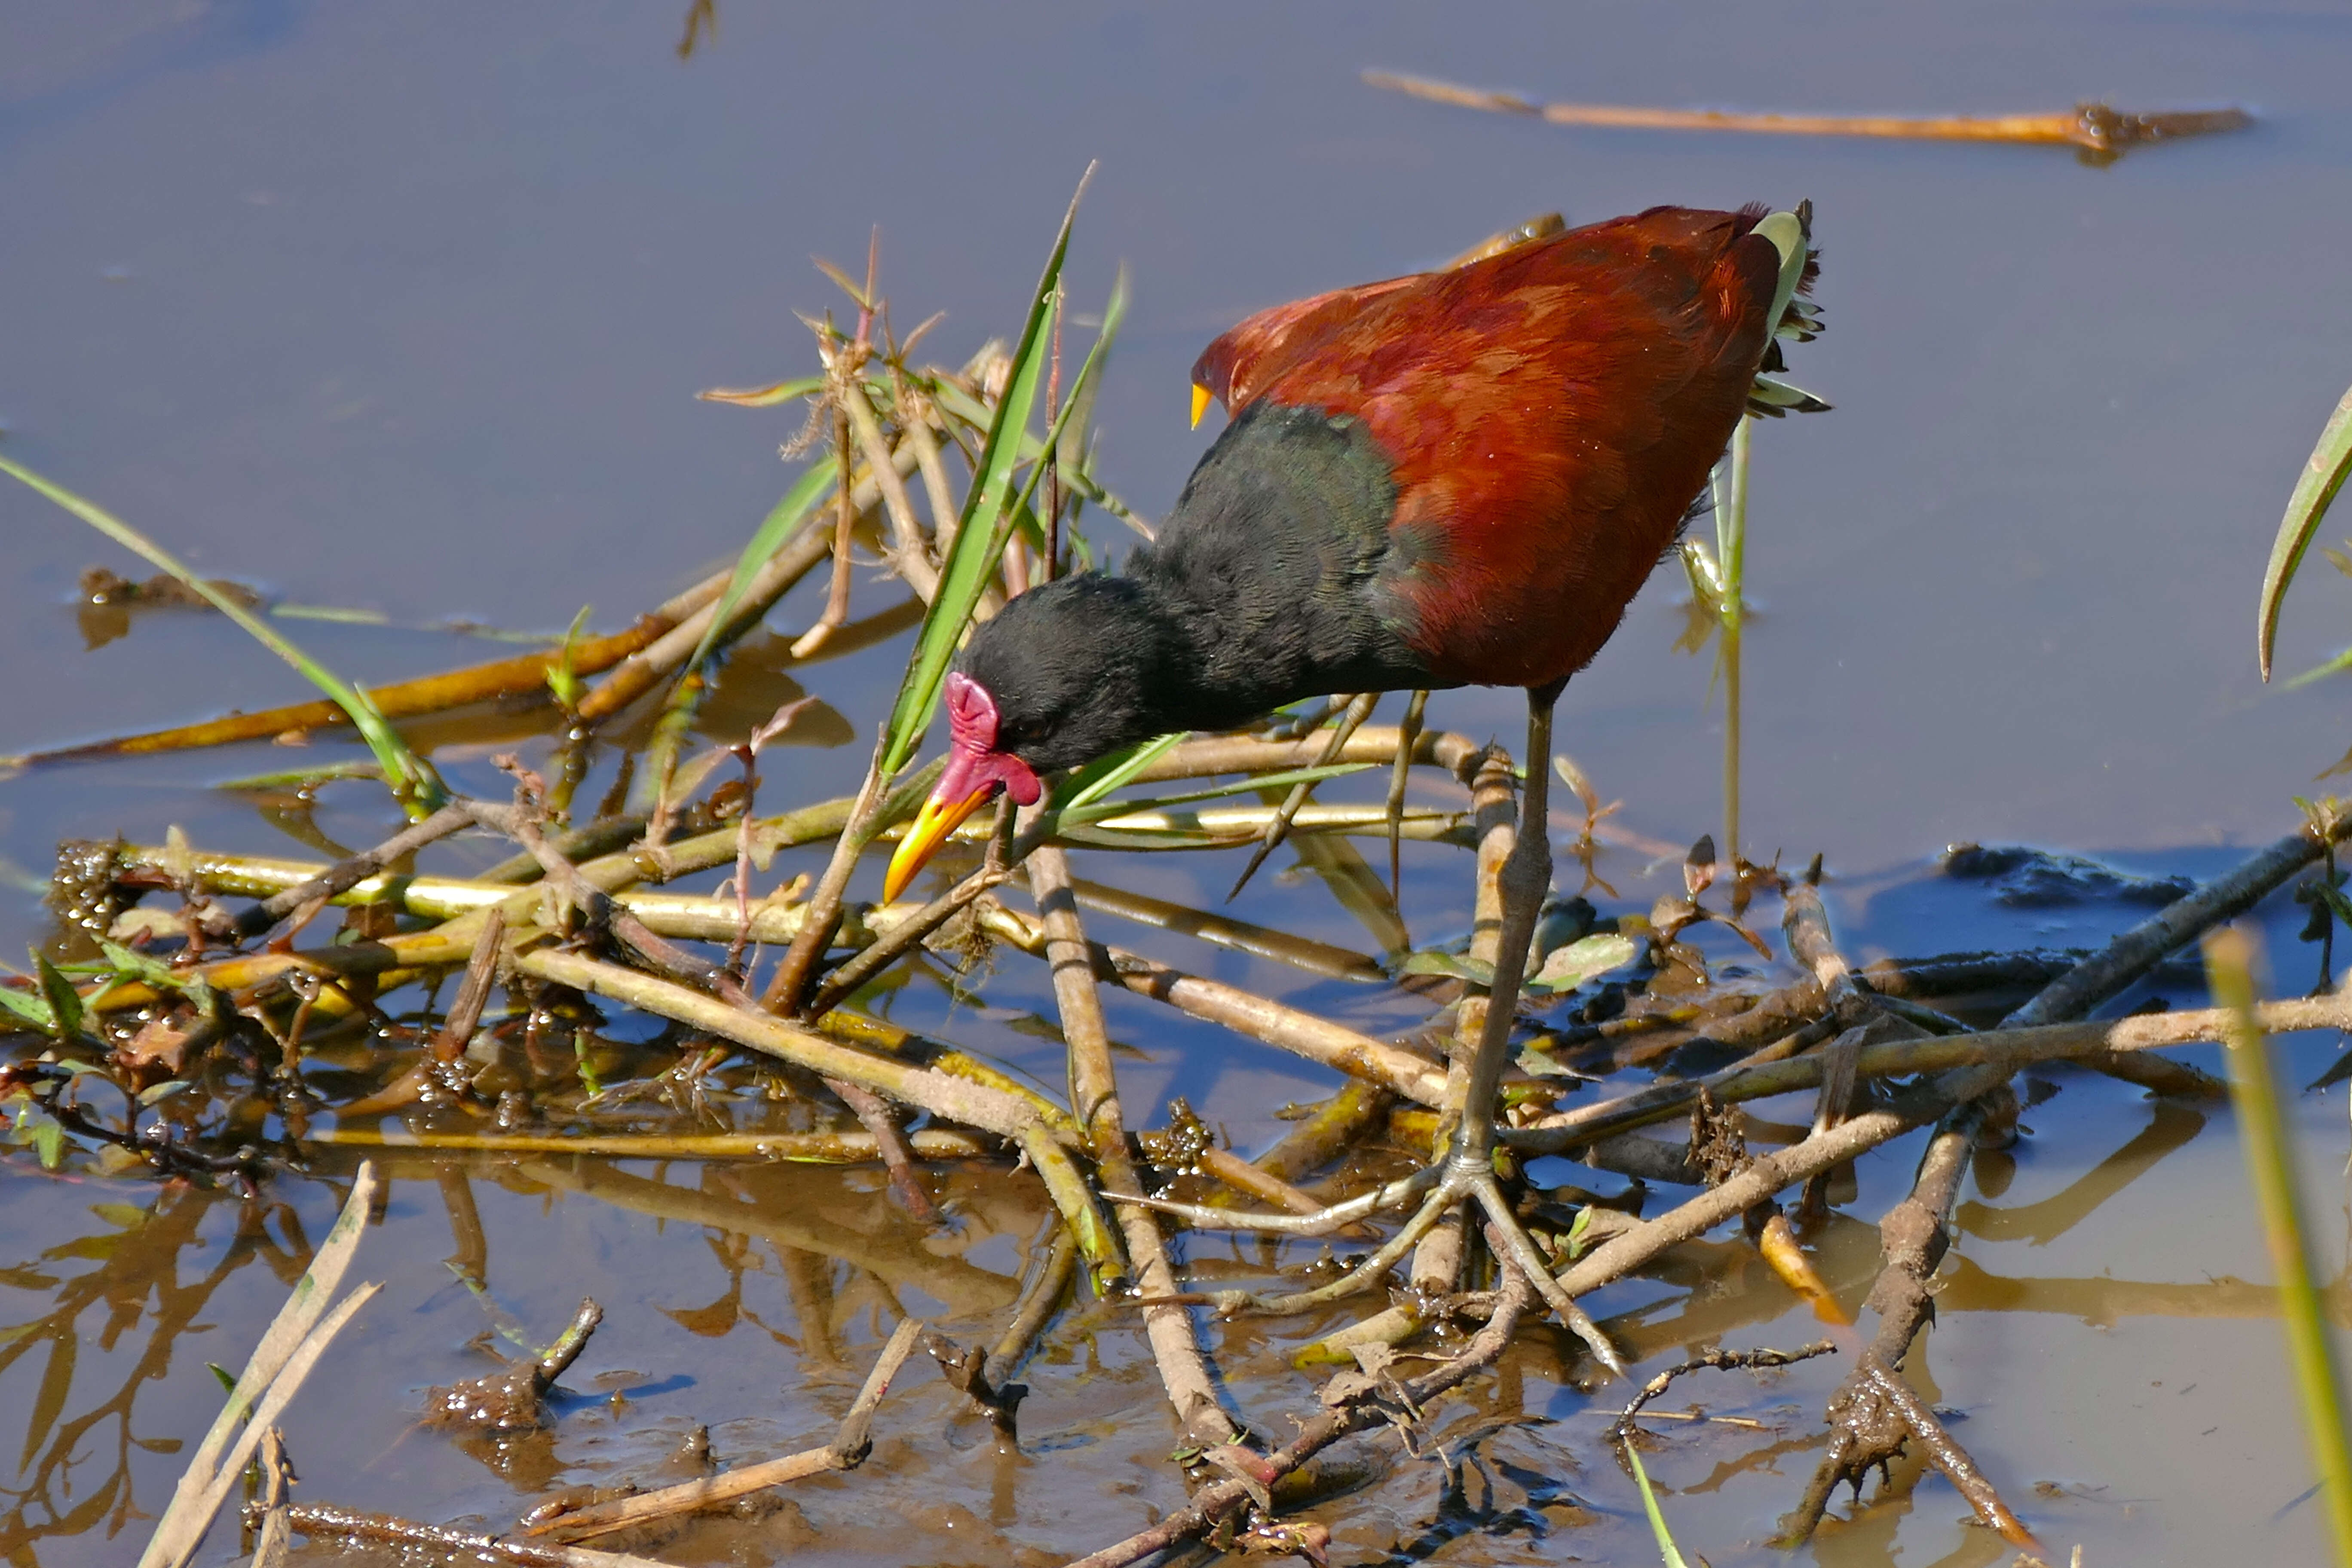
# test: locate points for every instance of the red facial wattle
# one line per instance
(973, 761)
(976, 770)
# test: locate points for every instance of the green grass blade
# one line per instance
(1099, 810)
(1667, 1551)
(784, 519)
(411, 778)
(1104, 774)
(979, 534)
(2270, 1166)
(2323, 475)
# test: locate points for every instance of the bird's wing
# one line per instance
(1551, 414)
(1238, 365)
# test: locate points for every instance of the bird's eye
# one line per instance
(1021, 733)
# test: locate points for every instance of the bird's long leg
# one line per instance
(1524, 880)
(1466, 1171)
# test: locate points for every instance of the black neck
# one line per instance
(1267, 577)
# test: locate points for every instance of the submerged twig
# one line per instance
(851, 1442)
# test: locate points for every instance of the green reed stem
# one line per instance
(2228, 966)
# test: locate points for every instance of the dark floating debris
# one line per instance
(2027, 879)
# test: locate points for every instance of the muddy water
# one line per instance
(400, 310)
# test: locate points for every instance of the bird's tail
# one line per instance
(1794, 312)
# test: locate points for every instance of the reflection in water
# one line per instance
(134, 1273)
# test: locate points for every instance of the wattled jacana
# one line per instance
(1452, 478)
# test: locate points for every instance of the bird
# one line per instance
(1447, 478)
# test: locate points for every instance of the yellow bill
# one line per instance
(1201, 399)
(930, 829)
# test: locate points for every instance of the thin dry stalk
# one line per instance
(909, 551)
(473, 992)
(899, 936)
(1094, 1098)
(351, 1524)
(2009, 1049)
(1768, 1174)
(799, 1148)
(850, 1445)
(633, 677)
(1359, 708)
(308, 897)
(2097, 129)
(1302, 1033)
(1868, 1427)
(1720, 1360)
(938, 1093)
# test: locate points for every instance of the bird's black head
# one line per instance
(1076, 669)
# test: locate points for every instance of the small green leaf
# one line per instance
(1587, 958)
(567, 686)
(28, 1007)
(2323, 475)
(64, 1001)
(1456, 965)
(132, 964)
(50, 1142)
(154, 1092)
(122, 1216)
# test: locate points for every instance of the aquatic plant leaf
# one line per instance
(1587, 958)
(765, 396)
(64, 1001)
(1454, 965)
(153, 972)
(29, 1007)
(412, 781)
(2323, 475)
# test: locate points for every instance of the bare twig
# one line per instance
(1720, 1360)
(473, 992)
(348, 874)
(2096, 130)
(1369, 1402)
(351, 1524)
(1094, 1097)
(848, 1450)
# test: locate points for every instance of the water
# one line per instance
(403, 309)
